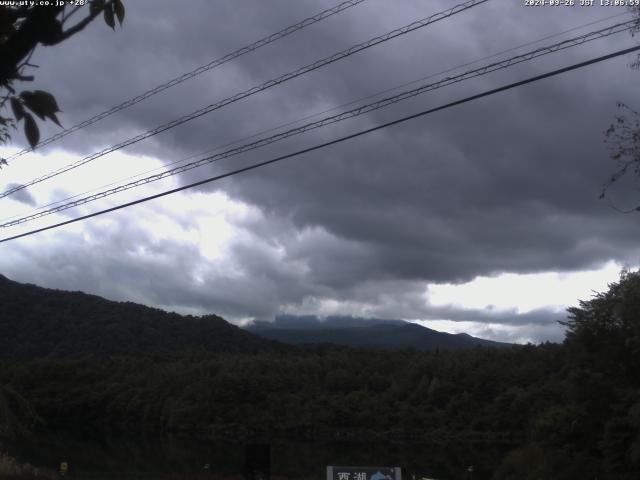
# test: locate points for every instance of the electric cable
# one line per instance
(252, 91)
(528, 56)
(317, 114)
(335, 141)
(195, 72)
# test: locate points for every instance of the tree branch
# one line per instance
(26, 38)
(78, 27)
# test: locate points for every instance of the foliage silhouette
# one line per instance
(22, 29)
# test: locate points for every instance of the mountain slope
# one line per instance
(41, 322)
(363, 333)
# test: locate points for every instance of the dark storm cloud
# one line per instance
(507, 183)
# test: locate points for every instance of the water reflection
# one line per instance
(91, 456)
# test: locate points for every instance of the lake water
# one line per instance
(117, 457)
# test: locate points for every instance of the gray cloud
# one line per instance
(22, 195)
(541, 316)
(507, 183)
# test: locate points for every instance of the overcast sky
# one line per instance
(483, 218)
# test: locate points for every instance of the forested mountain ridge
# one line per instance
(369, 333)
(39, 322)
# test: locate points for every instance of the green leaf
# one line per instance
(96, 6)
(118, 7)
(31, 130)
(42, 103)
(18, 109)
(108, 16)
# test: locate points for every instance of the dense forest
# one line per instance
(567, 411)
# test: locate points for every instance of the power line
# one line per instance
(528, 56)
(335, 141)
(197, 71)
(336, 118)
(271, 83)
(317, 114)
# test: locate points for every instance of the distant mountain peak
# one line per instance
(372, 333)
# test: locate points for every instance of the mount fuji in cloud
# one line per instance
(364, 333)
